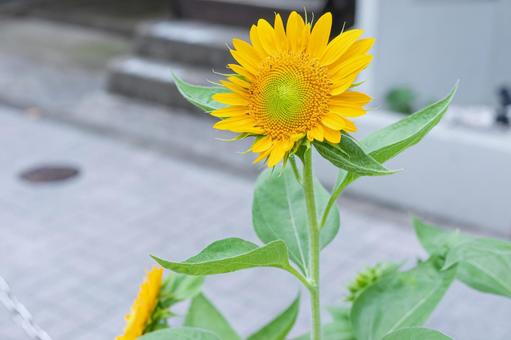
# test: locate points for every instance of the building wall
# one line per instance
(429, 44)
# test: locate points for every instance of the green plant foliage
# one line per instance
(279, 327)
(200, 96)
(349, 155)
(390, 141)
(279, 212)
(182, 287)
(339, 329)
(369, 277)
(416, 334)
(483, 263)
(181, 333)
(230, 255)
(204, 315)
(176, 288)
(405, 299)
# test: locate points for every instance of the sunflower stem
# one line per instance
(314, 291)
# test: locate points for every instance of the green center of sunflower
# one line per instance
(283, 97)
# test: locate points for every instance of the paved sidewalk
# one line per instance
(75, 252)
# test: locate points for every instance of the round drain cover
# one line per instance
(49, 173)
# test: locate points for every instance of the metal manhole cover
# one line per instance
(49, 173)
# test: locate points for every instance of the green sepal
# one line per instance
(349, 155)
(200, 96)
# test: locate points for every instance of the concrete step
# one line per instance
(151, 80)
(188, 42)
(242, 12)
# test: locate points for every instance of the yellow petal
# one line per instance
(317, 133)
(256, 42)
(294, 30)
(267, 37)
(351, 98)
(245, 49)
(237, 124)
(360, 47)
(230, 111)
(262, 155)
(238, 81)
(350, 66)
(241, 71)
(333, 121)
(247, 63)
(339, 46)
(320, 35)
(332, 136)
(230, 98)
(347, 111)
(233, 87)
(343, 85)
(280, 33)
(277, 154)
(262, 144)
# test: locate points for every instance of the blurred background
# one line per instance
(103, 163)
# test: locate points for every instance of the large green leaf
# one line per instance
(199, 96)
(203, 314)
(349, 155)
(279, 212)
(181, 333)
(415, 333)
(230, 255)
(483, 263)
(279, 327)
(405, 299)
(390, 141)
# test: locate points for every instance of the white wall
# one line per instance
(429, 44)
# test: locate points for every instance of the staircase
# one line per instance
(190, 48)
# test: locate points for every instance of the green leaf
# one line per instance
(405, 299)
(279, 212)
(390, 141)
(230, 255)
(181, 287)
(416, 333)
(349, 155)
(203, 314)
(200, 96)
(181, 333)
(437, 240)
(483, 263)
(279, 327)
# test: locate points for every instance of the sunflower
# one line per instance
(291, 84)
(144, 305)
